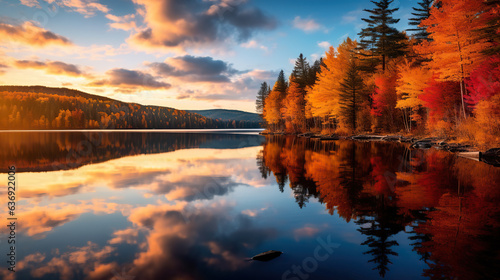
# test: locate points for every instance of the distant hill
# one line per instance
(229, 115)
(39, 107)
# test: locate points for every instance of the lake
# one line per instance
(198, 205)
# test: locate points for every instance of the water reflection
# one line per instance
(193, 206)
(49, 151)
(448, 205)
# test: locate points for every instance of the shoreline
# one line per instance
(465, 150)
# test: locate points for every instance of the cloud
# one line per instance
(242, 87)
(354, 17)
(324, 44)
(252, 44)
(180, 238)
(306, 25)
(129, 236)
(306, 231)
(87, 8)
(191, 188)
(31, 3)
(177, 25)
(125, 22)
(87, 260)
(30, 34)
(253, 212)
(130, 79)
(2, 67)
(51, 67)
(195, 69)
(40, 220)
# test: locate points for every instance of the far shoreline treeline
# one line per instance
(441, 78)
(46, 108)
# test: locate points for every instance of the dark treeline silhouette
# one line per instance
(447, 205)
(38, 107)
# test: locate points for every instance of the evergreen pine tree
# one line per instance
(301, 72)
(315, 69)
(492, 29)
(350, 94)
(421, 13)
(379, 37)
(281, 85)
(261, 97)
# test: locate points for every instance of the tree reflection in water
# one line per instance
(449, 205)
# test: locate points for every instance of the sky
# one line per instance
(185, 54)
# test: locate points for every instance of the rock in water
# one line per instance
(491, 156)
(267, 256)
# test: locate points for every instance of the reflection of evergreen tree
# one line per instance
(419, 239)
(303, 190)
(385, 223)
(281, 180)
(264, 170)
(351, 179)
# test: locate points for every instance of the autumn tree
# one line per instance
(293, 106)
(484, 81)
(443, 101)
(454, 49)
(384, 101)
(411, 83)
(272, 114)
(350, 94)
(323, 97)
(380, 37)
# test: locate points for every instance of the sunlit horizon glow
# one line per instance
(182, 54)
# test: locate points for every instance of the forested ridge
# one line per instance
(39, 107)
(440, 77)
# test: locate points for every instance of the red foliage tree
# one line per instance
(484, 81)
(442, 99)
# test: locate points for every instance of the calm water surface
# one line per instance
(149, 205)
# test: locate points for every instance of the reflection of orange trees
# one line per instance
(292, 158)
(464, 226)
(48, 151)
(272, 159)
(324, 170)
(425, 184)
(449, 204)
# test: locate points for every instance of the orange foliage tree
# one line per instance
(323, 96)
(454, 49)
(293, 107)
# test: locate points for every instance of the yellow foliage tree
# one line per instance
(411, 84)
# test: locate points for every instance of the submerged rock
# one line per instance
(422, 145)
(266, 256)
(491, 156)
(367, 137)
(391, 138)
(331, 137)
